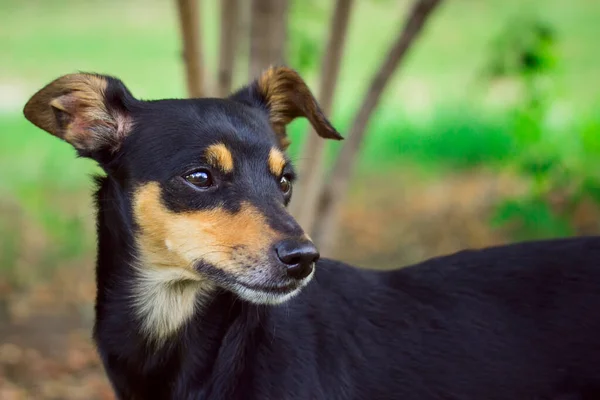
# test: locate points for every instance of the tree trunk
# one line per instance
(312, 167)
(189, 21)
(267, 34)
(227, 46)
(334, 194)
(279, 31)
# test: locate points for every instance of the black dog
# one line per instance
(198, 257)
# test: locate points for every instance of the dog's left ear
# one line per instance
(285, 96)
(89, 111)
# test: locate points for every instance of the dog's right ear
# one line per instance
(91, 112)
(284, 95)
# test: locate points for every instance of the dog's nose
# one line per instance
(298, 256)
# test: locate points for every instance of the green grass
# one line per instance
(451, 139)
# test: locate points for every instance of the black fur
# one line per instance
(505, 323)
(513, 322)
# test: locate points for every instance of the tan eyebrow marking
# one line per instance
(276, 161)
(219, 156)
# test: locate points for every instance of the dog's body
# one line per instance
(198, 261)
(517, 322)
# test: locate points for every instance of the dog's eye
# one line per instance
(285, 184)
(200, 178)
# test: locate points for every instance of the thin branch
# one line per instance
(268, 28)
(227, 48)
(334, 194)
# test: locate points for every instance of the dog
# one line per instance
(209, 289)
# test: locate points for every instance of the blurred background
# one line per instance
(469, 122)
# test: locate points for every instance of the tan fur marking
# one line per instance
(216, 236)
(276, 162)
(219, 156)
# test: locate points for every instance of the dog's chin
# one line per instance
(267, 294)
(263, 297)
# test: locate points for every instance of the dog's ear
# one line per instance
(91, 112)
(285, 96)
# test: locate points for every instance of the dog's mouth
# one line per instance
(269, 292)
(280, 289)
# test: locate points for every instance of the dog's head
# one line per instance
(207, 180)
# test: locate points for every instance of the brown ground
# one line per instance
(45, 351)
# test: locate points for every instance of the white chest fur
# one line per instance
(165, 299)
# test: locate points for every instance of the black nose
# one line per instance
(298, 256)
